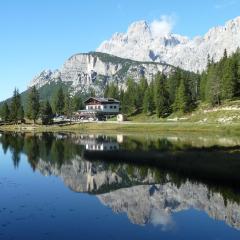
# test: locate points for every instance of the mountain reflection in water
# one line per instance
(149, 179)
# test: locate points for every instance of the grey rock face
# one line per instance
(155, 203)
(94, 70)
(84, 176)
(149, 53)
(141, 44)
(143, 200)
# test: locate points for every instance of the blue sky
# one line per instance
(37, 35)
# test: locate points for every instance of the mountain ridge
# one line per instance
(139, 43)
(139, 53)
(95, 70)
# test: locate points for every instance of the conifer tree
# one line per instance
(129, 98)
(111, 91)
(106, 91)
(77, 102)
(92, 92)
(68, 106)
(46, 113)
(59, 101)
(203, 82)
(148, 103)
(33, 104)
(229, 79)
(21, 114)
(173, 84)
(236, 69)
(152, 92)
(161, 96)
(141, 88)
(181, 100)
(5, 112)
(213, 86)
(15, 106)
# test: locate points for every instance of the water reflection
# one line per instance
(99, 143)
(149, 179)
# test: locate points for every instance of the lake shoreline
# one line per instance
(128, 127)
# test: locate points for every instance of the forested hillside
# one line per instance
(179, 92)
(182, 91)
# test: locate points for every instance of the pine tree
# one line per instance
(161, 96)
(203, 82)
(225, 55)
(92, 92)
(129, 98)
(141, 89)
(77, 102)
(33, 104)
(236, 63)
(21, 114)
(208, 61)
(229, 79)
(46, 113)
(152, 92)
(15, 105)
(5, 112)
(68, 106)
(121, 96)
(148, 102)
(59, 101)
(181, 100)
(106, 91)
(192, 81)
(111, 91)
(173, 84)
(213, 86)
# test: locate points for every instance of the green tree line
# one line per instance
(180, 91)
(163, 95)
(62, 103)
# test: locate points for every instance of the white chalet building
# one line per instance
(99, 108)
(104, 105)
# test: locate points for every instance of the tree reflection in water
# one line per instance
(147, 178)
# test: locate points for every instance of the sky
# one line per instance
(38, 35)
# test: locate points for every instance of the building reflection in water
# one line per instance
(148, 194)
(100, 143)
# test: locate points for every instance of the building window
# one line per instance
(105, 106)
(111, 107)
(115, 107)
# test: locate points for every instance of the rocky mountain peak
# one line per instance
(141, 51)
(140, 43)
(138, 27)
(85, 71)
(145, 201)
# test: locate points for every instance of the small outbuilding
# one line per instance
(121, 117)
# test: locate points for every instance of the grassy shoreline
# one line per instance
(130, 127)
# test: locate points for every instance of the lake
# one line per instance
(81, 186)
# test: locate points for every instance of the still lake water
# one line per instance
(73, 186)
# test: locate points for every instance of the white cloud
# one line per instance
(162, 218)
(162, 26)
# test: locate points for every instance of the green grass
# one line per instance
(202, 114)
(200, 120)
(145, 128)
